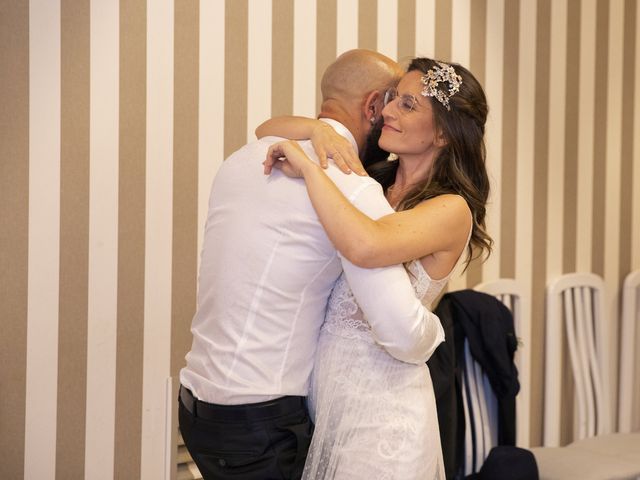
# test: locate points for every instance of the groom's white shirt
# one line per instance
(267, 269)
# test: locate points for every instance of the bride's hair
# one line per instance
(459, 167)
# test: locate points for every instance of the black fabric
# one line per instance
(488, 326)
(508, 463)
(273, 448)
(446, 375)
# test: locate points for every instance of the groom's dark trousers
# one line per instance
(258, 441)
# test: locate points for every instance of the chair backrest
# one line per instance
(577, 301)
(630, 322)
(481, 414)
(510, 292)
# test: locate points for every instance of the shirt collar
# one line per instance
(342, 130)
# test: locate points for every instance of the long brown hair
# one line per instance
(459, 167)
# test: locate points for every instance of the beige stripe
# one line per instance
(635, 201)
(494, 80)
(556, 162)
(282, 58)
(326, 46)
(540, 191)
(612, 199)
(74, 240)
(235, 74)
(507, 240)
(185, 177)
(627, 165)
(406, 30)
(443, 30)
(304, 64)
(477, 61)
(131, 238)
(14, 208)
(478, 39)
(600, 138)
(572, 91)
(586, 133)
(526, 131)
(368, 24)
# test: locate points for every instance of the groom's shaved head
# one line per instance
(356, 73)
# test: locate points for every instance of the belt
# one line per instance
(250, 411)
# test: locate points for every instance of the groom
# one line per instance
(267, 269)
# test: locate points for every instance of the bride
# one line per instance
(375, 416)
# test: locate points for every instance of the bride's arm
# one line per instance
(437, 226)
(327, 143)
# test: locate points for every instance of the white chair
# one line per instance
(479, 402)
(577, 301)
(629, 326)
(481, 414)
(510, 292)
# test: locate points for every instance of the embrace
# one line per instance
(316, 282)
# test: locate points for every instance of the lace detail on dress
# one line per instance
(344, 317)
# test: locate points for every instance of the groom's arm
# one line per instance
(400, 323)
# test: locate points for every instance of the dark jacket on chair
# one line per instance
(488, 326)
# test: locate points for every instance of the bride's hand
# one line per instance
(289, 157)
(329, 144)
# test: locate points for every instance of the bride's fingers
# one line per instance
(351, 159)
(323, 157)
(274, 155)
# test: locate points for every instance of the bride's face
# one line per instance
(409, 128)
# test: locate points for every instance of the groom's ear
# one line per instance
(372, 106)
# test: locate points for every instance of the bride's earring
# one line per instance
(372, 120)
(392, 157)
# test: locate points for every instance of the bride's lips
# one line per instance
(389, 127)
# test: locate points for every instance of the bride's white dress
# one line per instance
(375, 416)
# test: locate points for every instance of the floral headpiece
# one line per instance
(440, 73)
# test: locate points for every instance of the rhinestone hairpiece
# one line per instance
(437, 74)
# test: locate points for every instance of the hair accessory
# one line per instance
(440, 73)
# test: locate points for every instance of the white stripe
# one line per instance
(526, 128)
(557, 104)
(426, 28)
(44, 240)
(158, 236)
(461, 32)
(635, 221)
(387, 27)
(347, 25)
(494, 69)
(612, 188)
(304, 58)
(585, 135)
(211, 104)
(103, 241)
(258, 65)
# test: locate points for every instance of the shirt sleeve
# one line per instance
(408, 330)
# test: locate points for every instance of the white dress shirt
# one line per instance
(267, 269)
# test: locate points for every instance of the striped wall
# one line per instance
(116, 115)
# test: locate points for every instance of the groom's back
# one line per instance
(266, 271)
